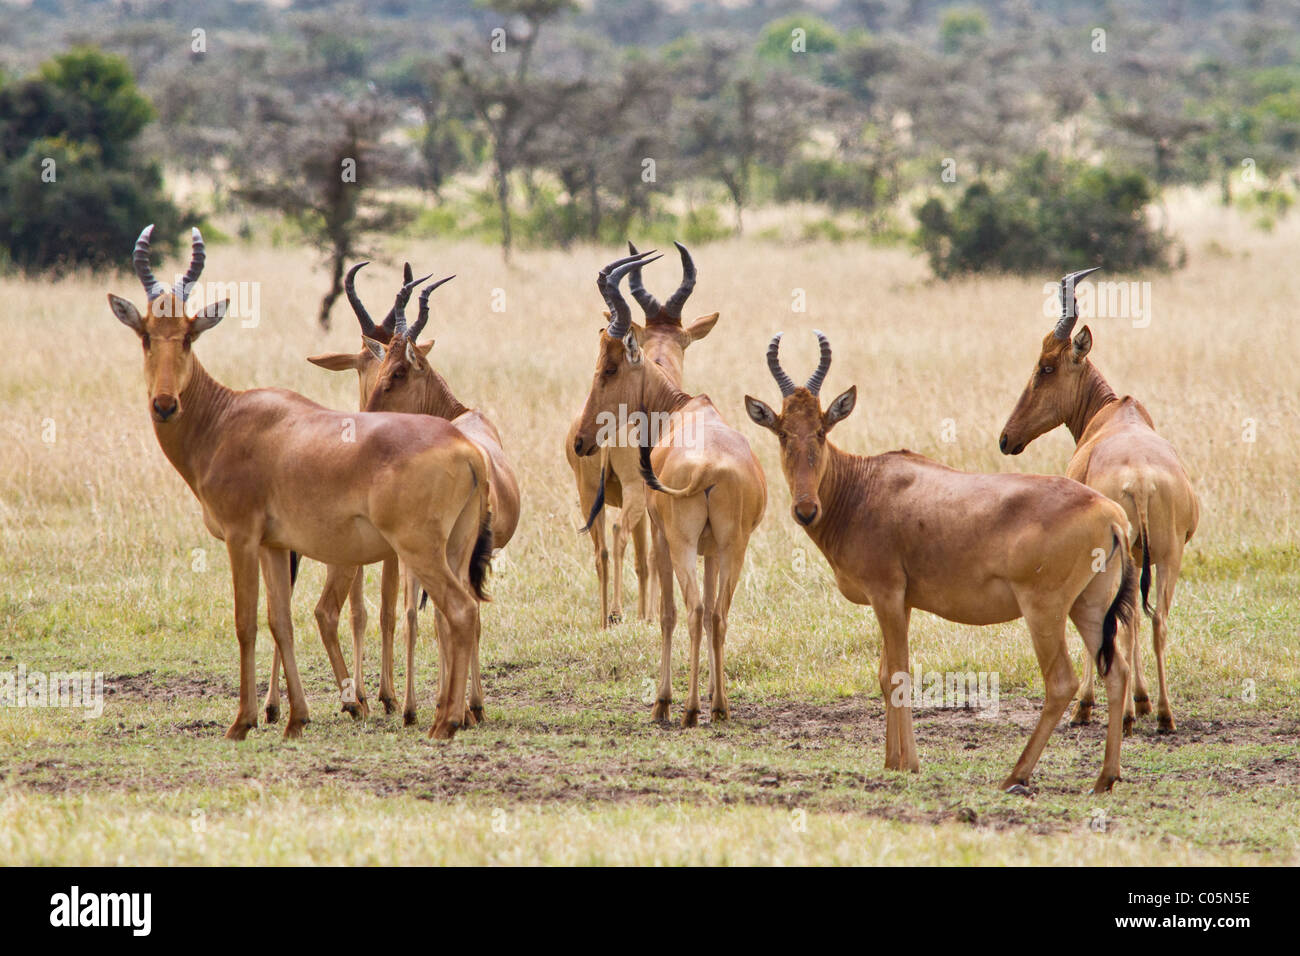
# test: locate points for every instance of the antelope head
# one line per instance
(363, 361)
(663, 337)
(801, 428)
(620, 365)
(166, 333)
(404, 380)
(1058, 375)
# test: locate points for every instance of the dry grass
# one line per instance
(98, 535)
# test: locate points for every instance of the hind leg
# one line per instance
(357, 608)
(390, 582)
(663, 570)
(275, 570)
(1088, 615)
(1045, 618)
(1166, 579)
(644, 579)
(475, 716)
(338, 580)
(1087, 695)
(710, 595)
(272, 704)
(411, 591)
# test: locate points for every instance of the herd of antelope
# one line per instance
(422, 483)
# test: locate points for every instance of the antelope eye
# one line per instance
(611, 369)
(399, 373)
(1047, 370)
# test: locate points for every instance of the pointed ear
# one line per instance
(410, 353)
(701, 326)
(840, 408)
(634, 353)
(1082, 344)
(376, 348)
(426, 347)
(760, 413)
(126, 313)
(335, 361)
(209, 316)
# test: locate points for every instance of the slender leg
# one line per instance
(390, 583)
(1140, 696)
(358, 707)
(338, 579)
(275, 569)
(475, 678)
(412, 592)
(729, 570)
(602, 566)
(273, 689)
(640, 549)
(710, 596)
(1047, 630)
(1087, 696)
(900, 743)
(243, 572)
(1166, 580)
(616, 565)
(1088, 613)
(685, 557)
(667, 621)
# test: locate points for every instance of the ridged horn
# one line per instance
(349, 286)
(649, 304)
(140, 259)
(399, 305)
(198, 255)
(423, 318)
(823, 364)
(783, 381)
(1069, 308)
(673, 307)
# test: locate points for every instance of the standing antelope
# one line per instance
(901, 531)
(275, 472)
(1118, 452)
(717, 501)
(404, 381)
(663, 340)
(338, 587)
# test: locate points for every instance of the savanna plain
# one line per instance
(105, 566)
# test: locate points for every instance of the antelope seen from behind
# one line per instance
(1118, 452)
(707, 494)
(614, 475)
(901, 532)
(405, 381)
(274, 472)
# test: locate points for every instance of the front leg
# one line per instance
(390, 582)
(243, 573)
(279, 592)
(900, 743)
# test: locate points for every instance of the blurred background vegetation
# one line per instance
(1003, 135)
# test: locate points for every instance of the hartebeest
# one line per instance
(714, 499)
(1118, 452)
(663, 339)
(275, 473)
(405, 381)
(901, 531)
(337, 587)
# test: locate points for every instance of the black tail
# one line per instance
(1146, 574)
(480, 562)
(293, 569)
(1121, 611)
(647, 469)
(596, 506)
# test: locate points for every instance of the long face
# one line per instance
(801, 428)
(619, 380)
(1051, 393)
(167, 337)
(403, 380)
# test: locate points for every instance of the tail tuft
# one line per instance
(1122, 610)
(648, 471)
(1146, 573)
(480, 562)
(597, 505)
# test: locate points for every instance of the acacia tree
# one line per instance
(511, 105)
(325, 173)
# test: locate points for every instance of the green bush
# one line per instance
(73, 190)
(1045, 215)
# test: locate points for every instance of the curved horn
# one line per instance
(1069, 309)
(399, 305)
(140, 259)
(783, 381)
(673, 307)
(367, 323)
(823, 365)
(198, 255)
(649, 304)
(414, 332)
(620, 317)
(390, 320)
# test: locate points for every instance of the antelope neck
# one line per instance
(1093, 395)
